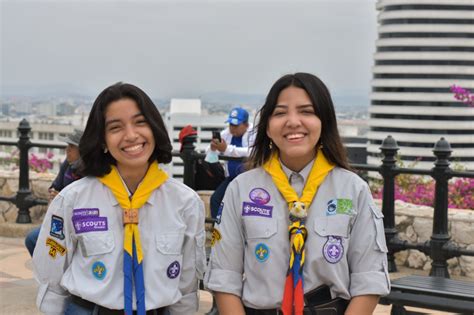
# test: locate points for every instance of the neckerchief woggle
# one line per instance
(133, 254)
(293, 295)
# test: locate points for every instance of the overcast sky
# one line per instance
(184, 48)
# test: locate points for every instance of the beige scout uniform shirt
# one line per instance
(80, 248)
(345, 248)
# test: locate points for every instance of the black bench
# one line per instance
(432, 293)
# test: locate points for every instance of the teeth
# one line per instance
(295, 136)
(134, 148)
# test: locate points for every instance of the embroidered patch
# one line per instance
(84, 213)
(216, 236)
(252, 209)
(219, 213)
(262, 252)
(55, 248)
(340, 206)
(92, 224)
(173, 270)
(98, 270)
(260, 196)
(333, 249)
(57, 226)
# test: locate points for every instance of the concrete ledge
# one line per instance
(8, 229)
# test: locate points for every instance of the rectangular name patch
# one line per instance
(92, 224)
(252, 209)
(84, 213)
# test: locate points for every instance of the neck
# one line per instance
(297, 164)
(132, 176)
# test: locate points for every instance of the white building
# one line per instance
(424, 47)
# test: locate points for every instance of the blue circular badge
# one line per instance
(262, 252)
(173, 269)
(98, 270)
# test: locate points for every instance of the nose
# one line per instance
(293, 119)
(130, 133)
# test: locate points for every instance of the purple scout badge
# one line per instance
(333, 250)
(260, 196)
(91, 224)
(257, 208)
(173, 269)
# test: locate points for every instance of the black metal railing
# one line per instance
(440, 247)
(24, 199)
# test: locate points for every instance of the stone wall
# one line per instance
(413, 222)
(39, 184)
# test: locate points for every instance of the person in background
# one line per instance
(235, 141)
(67, 174)
(207, 176)
(131, 239)
(299, 233)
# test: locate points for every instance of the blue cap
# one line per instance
(237, 116)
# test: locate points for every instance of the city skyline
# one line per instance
(185, 49)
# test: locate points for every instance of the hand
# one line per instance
(219, 146)
(52, 193)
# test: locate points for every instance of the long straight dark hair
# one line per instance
(319, 94)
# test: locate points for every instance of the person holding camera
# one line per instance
(299, 233)
(234, 141)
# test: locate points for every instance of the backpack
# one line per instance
(208, 175)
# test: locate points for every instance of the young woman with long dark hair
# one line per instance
(299, 233)
(125, 237)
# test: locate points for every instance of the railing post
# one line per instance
(389, 150)
(189, 160)
(441, 174)
(23, 196)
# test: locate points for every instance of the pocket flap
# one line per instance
(96, 243)
(169, 243)
(376, 211)
(337, 225)
(260, 228)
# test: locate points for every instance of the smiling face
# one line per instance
(294, 128)
(128, 137)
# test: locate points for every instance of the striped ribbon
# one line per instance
(133, 254)
(293, 296)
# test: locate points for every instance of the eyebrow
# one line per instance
(298, 106)
(118, 120)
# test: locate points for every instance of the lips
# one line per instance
(294, 136)
(134, 149)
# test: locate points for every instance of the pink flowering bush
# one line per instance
(40, 165)
(35, 163)
(420, 190)
(463, 95)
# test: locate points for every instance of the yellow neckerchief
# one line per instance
(293, 294)
(133, 254)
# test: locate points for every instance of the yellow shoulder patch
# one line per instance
(55, 248)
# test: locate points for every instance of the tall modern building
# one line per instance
(423, 48)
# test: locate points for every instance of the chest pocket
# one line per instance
(170, 243)
(260, 228)
(96, 243)
(334, 225)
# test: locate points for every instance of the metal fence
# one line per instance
(440, 248)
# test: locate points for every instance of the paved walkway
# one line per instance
(18, 287)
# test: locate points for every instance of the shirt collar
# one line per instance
(304, 172)
(114, 201)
